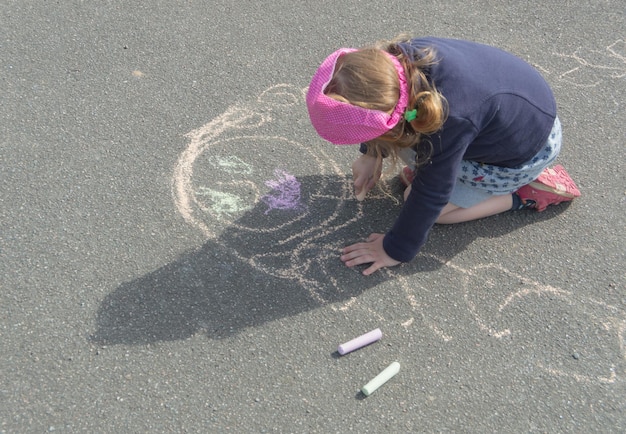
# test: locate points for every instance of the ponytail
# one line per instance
(430, 107)
(430, 112)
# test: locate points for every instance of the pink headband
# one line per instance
(346, 124)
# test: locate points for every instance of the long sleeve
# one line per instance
(430, 192)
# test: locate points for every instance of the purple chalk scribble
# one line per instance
(285, 192)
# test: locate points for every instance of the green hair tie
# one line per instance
(410, 115)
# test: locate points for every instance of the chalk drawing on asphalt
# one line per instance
(590, 67)
(285, 192)
(239, 162)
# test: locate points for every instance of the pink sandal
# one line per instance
(553, 186)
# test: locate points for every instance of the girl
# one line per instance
(476, 126)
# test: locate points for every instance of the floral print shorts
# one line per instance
(477, 182)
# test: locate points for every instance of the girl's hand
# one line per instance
(366, 171)
(371, 251)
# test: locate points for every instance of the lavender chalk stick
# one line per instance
(381, 379)
(359, 342)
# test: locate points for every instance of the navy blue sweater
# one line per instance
(501, 112)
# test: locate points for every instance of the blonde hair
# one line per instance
(367, 78)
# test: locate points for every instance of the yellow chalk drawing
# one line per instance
(224, 203)
(232, 164)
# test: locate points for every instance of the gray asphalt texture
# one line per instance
(150, 284)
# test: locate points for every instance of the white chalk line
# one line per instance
(613, 68)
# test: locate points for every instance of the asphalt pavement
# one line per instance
(171, 227)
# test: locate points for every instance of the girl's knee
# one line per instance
(446, 216)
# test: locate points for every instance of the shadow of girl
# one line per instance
(269, 265)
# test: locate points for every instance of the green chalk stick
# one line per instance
(381, 379)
